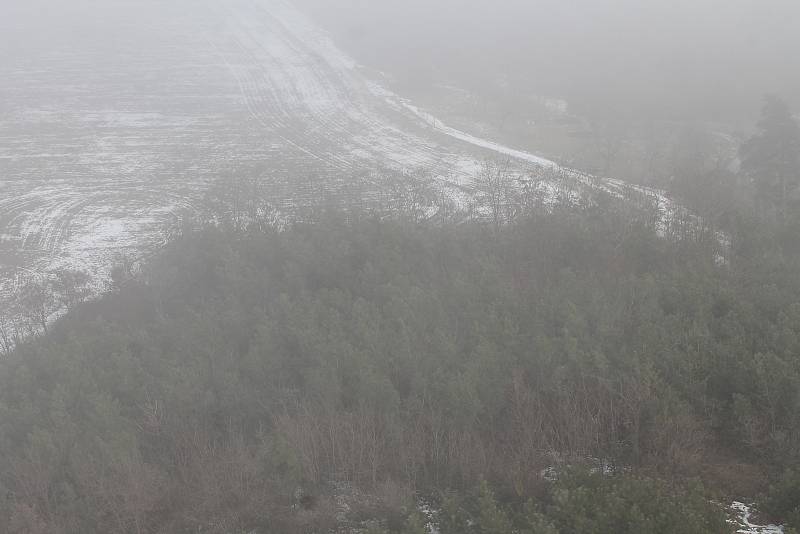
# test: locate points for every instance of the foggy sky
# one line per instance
(713, 59)
(672, 58)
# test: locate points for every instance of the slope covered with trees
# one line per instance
(245, 374)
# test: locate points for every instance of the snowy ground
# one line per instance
(118, 124)
(741, 519)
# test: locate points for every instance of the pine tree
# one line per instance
(771, 159)
(491, 519)
(415, 524)
(536, 522)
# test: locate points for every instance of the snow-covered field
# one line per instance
(117, 124)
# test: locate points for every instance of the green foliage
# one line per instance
(783, 499)
(772, 158)
(491, 518)
(241, 365)
(592, 503)
(533, 521)
(415, 524)
(376, 529)
(453, 516)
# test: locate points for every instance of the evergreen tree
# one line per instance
(535, 522)
(492, 519)
(415, 524)
(771, 159)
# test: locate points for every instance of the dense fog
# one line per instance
(399, 266)
(708, 58)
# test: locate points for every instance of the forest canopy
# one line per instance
(242, 372)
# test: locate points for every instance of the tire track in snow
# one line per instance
(94, 161)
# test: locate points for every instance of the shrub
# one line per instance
(782, 501)
(593, 503)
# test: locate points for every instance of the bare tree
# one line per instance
(414, 194)
(7, 339)
(124, 270)
(500, 191)
(38, 302)
(72, 287)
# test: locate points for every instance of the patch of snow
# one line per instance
(431, 515)
(97, 160)
(742, 513)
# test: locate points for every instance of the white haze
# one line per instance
(669, 59)
(712, 59)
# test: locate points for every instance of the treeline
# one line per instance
(244, 370)
(716, 174)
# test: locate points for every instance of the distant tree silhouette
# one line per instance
(771, 159)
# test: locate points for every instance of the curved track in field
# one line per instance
(117, 125)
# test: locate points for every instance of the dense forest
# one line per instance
(570, 369)
(241, 372)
